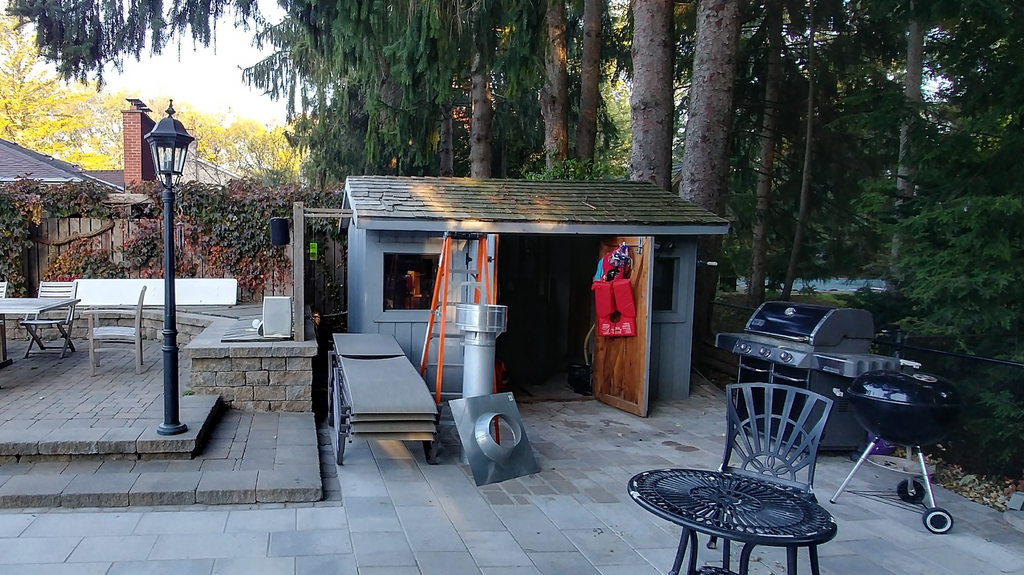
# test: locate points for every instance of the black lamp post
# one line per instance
(169, 142)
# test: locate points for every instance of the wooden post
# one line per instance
(298, 271)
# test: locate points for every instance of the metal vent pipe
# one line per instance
(481, 324)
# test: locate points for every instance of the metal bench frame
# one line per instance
(340, 413)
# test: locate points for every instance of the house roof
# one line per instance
(18, 163)
(203, 171)
(524, 206)
(113, 177)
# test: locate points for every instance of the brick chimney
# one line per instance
(138, 161)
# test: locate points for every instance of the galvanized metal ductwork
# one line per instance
(481, 324)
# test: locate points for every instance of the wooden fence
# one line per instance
(325, 277)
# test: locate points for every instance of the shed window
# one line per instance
(409, 280)
(664, 290)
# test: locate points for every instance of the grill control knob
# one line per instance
(786, 356)
(765, 352)
(744, 348)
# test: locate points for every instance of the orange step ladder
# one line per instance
(483, 285)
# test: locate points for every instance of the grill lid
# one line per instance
(814, 324)
(916, 389)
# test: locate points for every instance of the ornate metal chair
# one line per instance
(773, 432)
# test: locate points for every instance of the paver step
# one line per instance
(161, 488)
(285, 467)
(198, 412)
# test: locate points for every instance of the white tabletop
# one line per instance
(32, 305)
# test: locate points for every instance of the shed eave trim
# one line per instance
(424, 225)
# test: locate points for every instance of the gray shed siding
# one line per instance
(672, 331)
(366, 299)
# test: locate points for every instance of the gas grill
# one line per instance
(812, 347)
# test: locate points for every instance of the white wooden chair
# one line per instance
(52, 290)
(3, 326)
(117, 335)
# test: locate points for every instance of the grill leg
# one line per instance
(863, 458)
(925, 478)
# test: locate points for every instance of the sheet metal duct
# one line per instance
(481, 324)
(491, 461)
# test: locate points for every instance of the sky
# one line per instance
(209, 79)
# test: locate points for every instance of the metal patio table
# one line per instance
(22, 306)
(733, 507)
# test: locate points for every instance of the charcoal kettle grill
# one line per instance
(910, 408)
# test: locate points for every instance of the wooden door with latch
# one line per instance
(621, 365)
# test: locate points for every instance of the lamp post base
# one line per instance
(165, 429)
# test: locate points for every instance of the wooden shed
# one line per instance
(545, 241)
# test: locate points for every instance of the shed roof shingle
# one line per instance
(528, 202)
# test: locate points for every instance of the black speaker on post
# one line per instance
(279, 231)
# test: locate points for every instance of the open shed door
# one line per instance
(621, 364)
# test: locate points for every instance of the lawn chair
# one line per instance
(116, 335)
(773, 434)
(3, 326)
(52, 290)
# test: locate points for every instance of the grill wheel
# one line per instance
(937, 520)
(905, 493)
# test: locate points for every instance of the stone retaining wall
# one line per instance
(253, 376)
(189, 326)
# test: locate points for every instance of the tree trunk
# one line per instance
(445, 145)
(805, 183)
(766, 159)
(651, 100)
(709, 121)
(912, 89)
(590, 79)
(554, 102)
(480, 127)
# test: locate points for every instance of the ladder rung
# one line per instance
(447, 335)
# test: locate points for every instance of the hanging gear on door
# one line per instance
(613, 294)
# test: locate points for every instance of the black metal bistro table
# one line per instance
(733, 507)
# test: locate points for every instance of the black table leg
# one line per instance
(813, 550)
(693, 554)
(684, 540)
(745, 558)
(791, 560)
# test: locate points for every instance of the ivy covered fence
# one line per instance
(222, 231)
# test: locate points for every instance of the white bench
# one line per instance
(187, 291)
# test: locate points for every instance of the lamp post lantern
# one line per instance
(169, 142)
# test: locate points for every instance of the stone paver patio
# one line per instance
(72, 440)
(398, 515)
